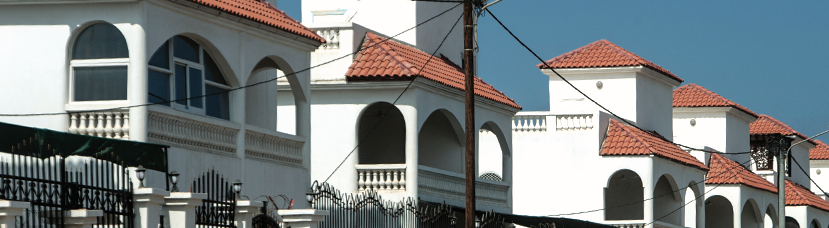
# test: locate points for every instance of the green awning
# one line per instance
(49, 143)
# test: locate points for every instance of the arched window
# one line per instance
(99, 64)
(182, 73)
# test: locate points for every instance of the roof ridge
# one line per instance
(391, 53)
(625, 52)
(795, 190)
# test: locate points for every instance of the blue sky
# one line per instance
(768, 56)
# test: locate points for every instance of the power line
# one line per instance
(807, 176)
(241, 87)
(645, 200)
(594, 101)
(395, 100)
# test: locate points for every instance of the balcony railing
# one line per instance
(449, 185)
(192, 131)
(110, 124)
(637, 224)
(274, 146)
(381, 177)
(537, 122)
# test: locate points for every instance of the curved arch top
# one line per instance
(502, 139)
(100, 40)
(278, 63)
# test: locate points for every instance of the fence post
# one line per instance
(245, 210)
(81, 218)
(9, 210)
(302, 218)
(147, 203)
(180, 209)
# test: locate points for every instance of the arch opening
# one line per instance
(792, 223)
(666, 200)
(718, 212)
(814, 224)
(493, 152)
(749, 216)
(439, 142)
(382, 130)
(770, 217)
(693, 209)
(100, 59)
(269, 104)
(624, 196)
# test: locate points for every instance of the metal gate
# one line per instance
(219, 209)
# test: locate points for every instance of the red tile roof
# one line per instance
(603, 53)
(693, 95)
(726, 171)
(391, 60)
(820, 152)
(766, 125)
(627, 140)
(264, 13)
(797, 195)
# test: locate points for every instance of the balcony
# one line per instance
(538, 122)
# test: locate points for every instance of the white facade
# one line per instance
(39, 40)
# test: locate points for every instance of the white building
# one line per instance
(78, 57)
(413, 148)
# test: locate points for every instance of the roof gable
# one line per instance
(392, 60)
(603, 53)
(693, 95)
(626, 140)
(797, 195)
(726, 171)
(262, 12)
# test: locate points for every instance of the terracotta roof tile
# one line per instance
(726, 171)
(820, 152)
(693, 95)
(626, 140)
(797, 195)
(391, 60)
(264, 13)
(766, 125)
(603, 53)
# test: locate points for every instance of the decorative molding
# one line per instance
(191, 134)
(452, 186)
(272, 148)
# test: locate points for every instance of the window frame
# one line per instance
(107, 62)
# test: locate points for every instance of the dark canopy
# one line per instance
(44, 143)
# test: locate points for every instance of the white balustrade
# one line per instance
(449, 185)
(574, 122)
(332, 37)
(109, 124)
(266, 145)
(529, 123)
(629, 225)
(381, 177)
(196, 134)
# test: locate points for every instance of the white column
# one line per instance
(302, 218)
(180, 209)
(410, 115)
(137, 84)
(245, 210)
(81, 218)
(147, 204)
(9, 210)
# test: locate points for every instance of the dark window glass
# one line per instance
(100, 83)
(181, 84)
(195, 88)
(159, 91)
(161, 57)
(186, 48)
(100, 41)
(218, 104)
(212, 72)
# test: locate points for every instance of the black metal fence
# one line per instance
(263, 220)
(368, 210)
(52, 188)
(219, 209)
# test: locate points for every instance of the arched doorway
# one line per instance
(792, 223)
(271, 94)
(749, 217)
(666, 201)
(381, 135)
(814, 224)
(693, 209)
(439, 142)
(770, 217)
(718, 212)
(624, 196)
(494, 157)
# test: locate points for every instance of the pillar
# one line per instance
(245, 210)
(9, 210)
(81, 218)
(302, 218)
(147, 206)
(180, 209)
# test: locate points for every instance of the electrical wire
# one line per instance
(395, 100)
(807, 176)
(597, 103)
(241, 87)
(645, 200)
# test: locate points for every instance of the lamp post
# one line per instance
(237, 187)
(781, 180)
(139, 172)
(310, 197)
(173, 179)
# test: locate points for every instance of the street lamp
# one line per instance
(781, 182)
(310, 197)
(237, 187)
(173, 179)
(139, 172)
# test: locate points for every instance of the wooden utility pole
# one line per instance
(469, 81)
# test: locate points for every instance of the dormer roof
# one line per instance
(262, 12)
(603, 53)
(797, 195)
(391, 60)
(726, 171)
(693, 95)
(627, 140)
(766, 125)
